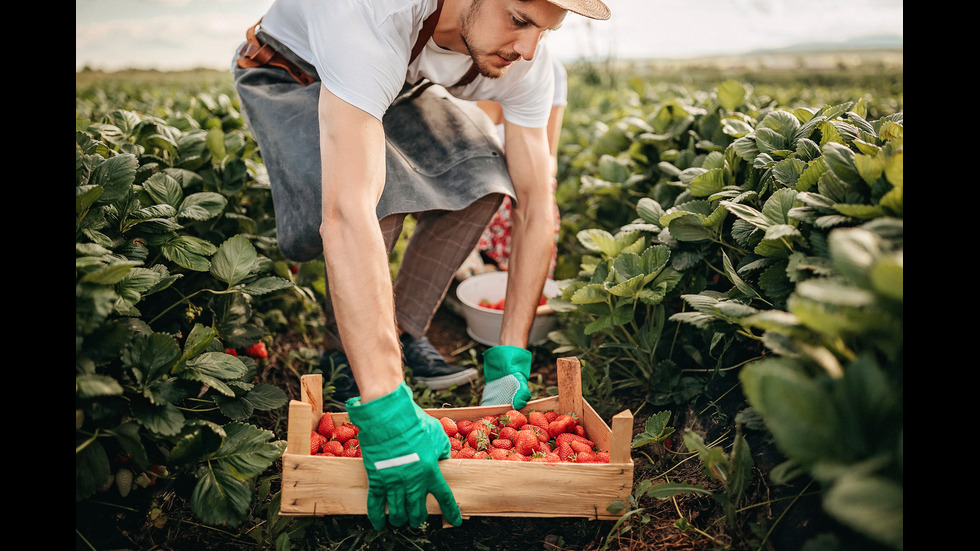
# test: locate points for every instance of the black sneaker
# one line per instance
(336, 370)
(428, 366)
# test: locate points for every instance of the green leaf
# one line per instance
(223, 494)
(129, 438)
(137, 282)
(202, 206)
(895, 170)
(266, 285)
(871, 505)
(95, 385)
(189, 252)
(164, 419)
(668, 490)
(198, 341)
(165, 189)
(197, 439)
(247, 449)
(733, 276)
(152, 356)
(115, 176)
(216, 143)
(234, 260)
(888, 276)
(91, 470)
(840, 160)
(213, 369)
(221, 498)
(708, 183)
(649, 210)
(590, 294)
(731, 95)
(602, 241)
(111, 274)
(797, 411)
(788, 171)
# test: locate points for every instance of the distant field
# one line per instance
(839, 63)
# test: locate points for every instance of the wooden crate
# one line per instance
(320, 485)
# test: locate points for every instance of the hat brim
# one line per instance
(593, 9)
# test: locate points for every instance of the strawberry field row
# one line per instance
(706, 231)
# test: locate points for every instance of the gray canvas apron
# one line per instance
(441, 153)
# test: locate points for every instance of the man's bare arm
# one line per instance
(533, 229)
(353, 158)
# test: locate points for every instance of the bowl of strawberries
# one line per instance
(483, 297)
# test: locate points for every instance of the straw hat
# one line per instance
(593, 9)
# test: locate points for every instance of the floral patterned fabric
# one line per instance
(495, 242)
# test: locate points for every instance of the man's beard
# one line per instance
(481, 58)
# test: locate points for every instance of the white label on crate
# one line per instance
(396, 461)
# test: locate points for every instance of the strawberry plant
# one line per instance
(762, 232)
(168, 268)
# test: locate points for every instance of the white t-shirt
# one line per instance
(361, 50)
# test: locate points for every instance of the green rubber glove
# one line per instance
(506, 370)
(401, 446)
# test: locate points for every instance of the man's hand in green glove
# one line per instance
(401, 446)
(506, 370)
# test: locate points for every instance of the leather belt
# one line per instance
(256, 54)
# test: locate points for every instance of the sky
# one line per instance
(184, 34)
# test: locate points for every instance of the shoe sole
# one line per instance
(466, 376)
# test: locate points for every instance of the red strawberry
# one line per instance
(514, 456)
(449, 426)
(231, 351)
(513, 418)
(334, 447)
(507, 432)
(539, 457)
(568, 437)
(257, 350)
(354, 451)
(489, 423)
(316, 442)
(587, 456)
(478, 439)
(525, 442)
(562, 423)
(326, 425)
(538, 419)
(344, 432)
(579, 447)
(565, 452)
(540, 433)
(464, 426)
(579, 430)
(455, 443)
(550, 415)
(502, 443)
(602, 457)
(465, 452)
(481, 454)
(499, 453)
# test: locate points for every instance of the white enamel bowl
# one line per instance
(483, 324)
